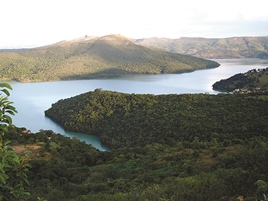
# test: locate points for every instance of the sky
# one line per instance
(32, 23)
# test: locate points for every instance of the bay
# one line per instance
(32, 99)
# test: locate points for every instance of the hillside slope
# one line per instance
(251, 81)
(94, 57)
(235, 47)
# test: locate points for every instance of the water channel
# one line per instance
(32, 99)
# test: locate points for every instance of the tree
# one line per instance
(261, 188)
(12, 167)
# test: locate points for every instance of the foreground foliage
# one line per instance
(13, 167)
(66, 169)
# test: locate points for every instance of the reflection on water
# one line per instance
(32, 99)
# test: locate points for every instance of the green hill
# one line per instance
(125, 120)
(235, 47)
(251, 81)
(94, 57)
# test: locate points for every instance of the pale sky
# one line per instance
(29, 23)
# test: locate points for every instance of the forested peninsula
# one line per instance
(255, 80)
(126, 120)
(93, 57)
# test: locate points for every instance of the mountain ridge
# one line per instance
(233, 47)
(94, 57)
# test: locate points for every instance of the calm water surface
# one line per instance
(32, 99)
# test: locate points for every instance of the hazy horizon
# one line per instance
(73, 39)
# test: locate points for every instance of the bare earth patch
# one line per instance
(19, 149)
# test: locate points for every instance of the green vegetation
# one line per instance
(67, 169)
(107, 56)
(163, 147)
(13, 167)
(251, 81)
(235, 47)
(166, 147)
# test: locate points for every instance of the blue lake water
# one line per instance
(32, 99)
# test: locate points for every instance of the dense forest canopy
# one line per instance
(255, 80)
(69, 170)
(165, 147)
(107, 56)
(124, 120)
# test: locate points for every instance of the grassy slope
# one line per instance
(106, 56)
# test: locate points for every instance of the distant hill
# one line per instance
(251, 81)
(94, 57)
(235, 47)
